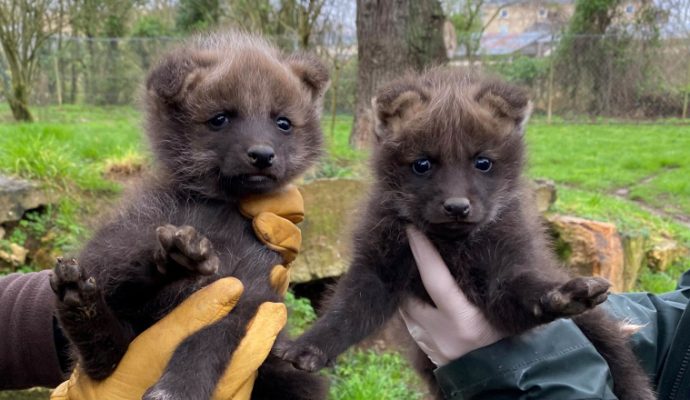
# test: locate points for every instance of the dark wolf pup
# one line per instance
(228, 115)
(449, 161)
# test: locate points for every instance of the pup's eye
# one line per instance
(219, 121)
(483, 164)
(283, 124)
(421, 166)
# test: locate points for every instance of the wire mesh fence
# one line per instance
(619, 76)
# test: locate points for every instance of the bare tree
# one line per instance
(393, 36)
(25, 25)
(678, 21)
(334, 47)
(298, 19)
(467, 16)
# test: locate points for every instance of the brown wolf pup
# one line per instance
(449, 161)
(227, 115)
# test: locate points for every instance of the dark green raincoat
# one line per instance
(558, 362)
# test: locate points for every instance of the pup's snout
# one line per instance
(261, 156)
(457, 206)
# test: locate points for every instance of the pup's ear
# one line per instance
(505, 102)
(174, 74)
(394, 104)
(311, 71)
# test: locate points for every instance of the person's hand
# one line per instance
(455, 326)
(274, 217)
(149, 353)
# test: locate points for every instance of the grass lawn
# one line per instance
(648, 163)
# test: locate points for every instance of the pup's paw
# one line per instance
(306, 357)
(73, 289)
(186, 247)
(576, 296)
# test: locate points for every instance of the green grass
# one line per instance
(665, 281)
(651, 161)
(70, 153)
(359, 374)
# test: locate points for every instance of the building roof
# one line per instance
(508, 2)
(503, 44)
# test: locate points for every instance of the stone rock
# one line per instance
(664, 253)
(544, 194)
(329, 207)
(634, 258)
(2, 232)
(18, 196)
(13, 257)
(44, 258)
(591, 247)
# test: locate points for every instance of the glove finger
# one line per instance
(60, 392)
(252, 350)
(278, 234)
(280, 279)
(287, 203)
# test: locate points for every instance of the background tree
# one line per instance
(25, 26)
(467, 19)
(393, 36)
(677, 15)
(335, 45)
(292, 23)
(604, 56)
(197, 15)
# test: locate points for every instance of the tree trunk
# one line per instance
(18, 98)
(393, 36)
(19, 101)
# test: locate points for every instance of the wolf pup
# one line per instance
(449, 159)
(227, 115)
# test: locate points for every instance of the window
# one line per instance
(630, 9)
(503, 14)
(503, 29)
(542, 13)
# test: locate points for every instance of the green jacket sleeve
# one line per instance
(557, 361)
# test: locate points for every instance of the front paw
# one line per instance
(74, 289)
(186, 247)
(575, 296)
(306, 357)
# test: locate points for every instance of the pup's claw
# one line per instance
(186, 247)
(73, 288)
(576, 296)
(305, 357)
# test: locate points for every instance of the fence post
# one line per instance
(549, 89)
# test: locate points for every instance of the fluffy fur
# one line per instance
(449, 160)
(227, 115)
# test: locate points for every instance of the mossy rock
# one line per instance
(31, 394)
(330, 207)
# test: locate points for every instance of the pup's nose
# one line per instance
(261, 156)
(457, 206)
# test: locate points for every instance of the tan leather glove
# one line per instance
(273, 217)
(149, 353)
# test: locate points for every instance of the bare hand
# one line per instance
(457, 326)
